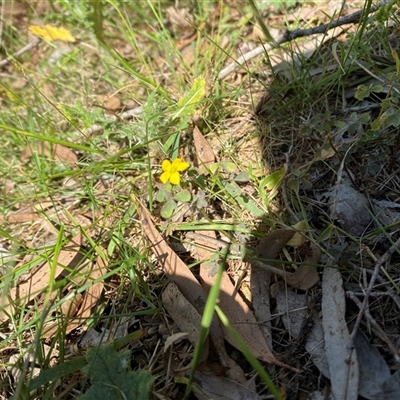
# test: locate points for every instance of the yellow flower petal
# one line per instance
(175, 178)
(183, 166)
(166, 165)
(51, 33)
(164, 178)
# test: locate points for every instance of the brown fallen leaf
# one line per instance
(90, 298)
(39, 279)
(268, 250)
(204, 152)
(54, 151)
(178, 272)
(234, 307)
(28, 214)
(184, 315)
(307, 275)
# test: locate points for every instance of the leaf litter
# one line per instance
(316, 156)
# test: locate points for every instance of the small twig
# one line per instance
(291, 35)
(393, 296)
(373, 322)
(268, 267)
(24, 49)
(212, 242)
(363, 308)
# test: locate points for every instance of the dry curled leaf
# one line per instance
(51, 151)
(39, 280)
(231, 303)
(307, 275)
(204, 152)
(178, 272)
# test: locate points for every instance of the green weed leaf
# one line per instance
(391, 117)
(229, 166)
(242, 177)
(168, 209)
(184, 196)
(111, 378)
(187, 104)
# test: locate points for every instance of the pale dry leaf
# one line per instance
(181, 20)
(344, 370)
(112, 103)
(231, 303)
(293, 307)
(315, 346)
(71, 306)
(204, 152)
(268, 250)
(298, 238)
(182, 312)
(373, 368)
(391, 387)
(14, 9)
(174, 338)
(273, 243)
(350, 208)
(93, 293)
(39, 280)
(178, 272)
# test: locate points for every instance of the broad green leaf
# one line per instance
(184, 196)
(362, 92)
(229, 166)
(273, 180)
(214, 167)
(168, 209)
(390, 117)
(377, 88)
(242, 177)
(162, 195)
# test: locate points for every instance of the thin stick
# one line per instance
(24, 49)
(291, 35)
(363, 308)
(373, 322)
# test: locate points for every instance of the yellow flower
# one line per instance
(51, 33)
(171, 170)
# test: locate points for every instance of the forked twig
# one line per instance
(291, 35)
(373, 322)
(364, 306)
